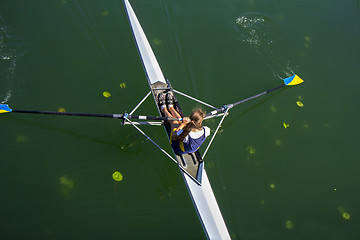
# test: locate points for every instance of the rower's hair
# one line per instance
(196, 118)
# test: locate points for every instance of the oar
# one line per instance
(4, 108)
(290, 81)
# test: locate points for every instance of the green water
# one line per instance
(271, 182)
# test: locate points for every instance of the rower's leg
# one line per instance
(172, 113)
(175, 113)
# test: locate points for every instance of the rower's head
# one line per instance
(197, 117)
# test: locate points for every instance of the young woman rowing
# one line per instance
(188, 135)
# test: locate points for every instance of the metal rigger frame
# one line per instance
(127, 121)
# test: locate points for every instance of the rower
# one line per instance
(187, 135)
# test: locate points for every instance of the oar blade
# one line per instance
(293, 80)
(4, 108)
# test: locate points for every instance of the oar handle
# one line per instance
(138, 117)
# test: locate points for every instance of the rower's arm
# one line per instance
(184, 122)
(182, 125)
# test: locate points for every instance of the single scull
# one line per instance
(191, 165)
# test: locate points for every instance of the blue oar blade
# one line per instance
(293, 80)
(4, 108)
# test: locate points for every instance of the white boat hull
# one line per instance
(199, 186)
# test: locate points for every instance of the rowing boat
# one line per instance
(191, 165)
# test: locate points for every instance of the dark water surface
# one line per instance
(271, 182)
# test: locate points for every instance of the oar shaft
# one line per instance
(118, 116)
(256, 96)
(223, 108)
(70, 114)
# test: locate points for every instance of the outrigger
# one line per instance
(191, 165)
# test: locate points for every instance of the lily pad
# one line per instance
(106, 94)
(346, 215)
(20, 138)
(251, 149)
(273, 109)
(157, 41)
(289, 224)
(105, 13)
(278, 142)
(117, 176)
(299, 103)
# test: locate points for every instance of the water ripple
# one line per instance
(8, 57)
(261, 33)
(255, 29)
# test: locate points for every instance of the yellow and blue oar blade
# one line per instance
(293, 80)
(4, 108)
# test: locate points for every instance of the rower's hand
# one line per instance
(186, 120)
